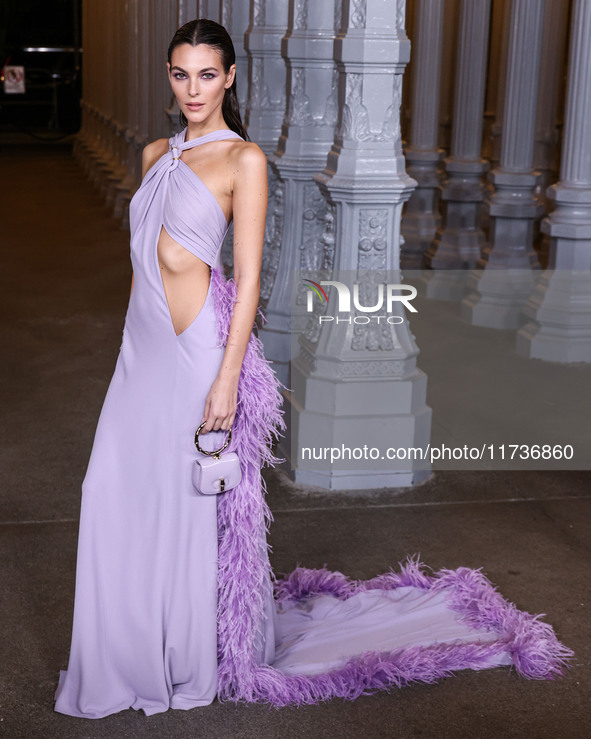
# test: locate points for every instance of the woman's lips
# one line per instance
(194, 106)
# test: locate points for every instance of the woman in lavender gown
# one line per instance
(175, 599)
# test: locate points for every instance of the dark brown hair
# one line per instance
(210, 33)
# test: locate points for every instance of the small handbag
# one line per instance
(215, 472)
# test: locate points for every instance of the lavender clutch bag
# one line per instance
(215, 472)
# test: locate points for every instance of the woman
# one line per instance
(175, 598)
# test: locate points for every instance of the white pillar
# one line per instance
(307, 134)
(421, 215)
(267, 90)
(560, 307)
(496, 65)
(265, 110)
(235, 19)
(457, 244)
(448, 71)
(504, 278)
(552, 72)
(497, 126)
(550, 102)
(357, 384)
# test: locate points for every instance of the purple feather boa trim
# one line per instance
(244, 568)
(535, 651)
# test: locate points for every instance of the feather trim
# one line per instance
(244, 569)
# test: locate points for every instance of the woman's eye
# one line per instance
(179, 76)
(208, 76)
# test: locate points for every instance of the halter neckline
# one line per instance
(219, 134)
(177, 143)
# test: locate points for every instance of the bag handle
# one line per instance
(217, 452)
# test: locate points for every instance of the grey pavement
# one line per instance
(64, 289)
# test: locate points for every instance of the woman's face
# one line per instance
(198, 80)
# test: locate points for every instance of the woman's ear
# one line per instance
(230, 77)
(168, 68)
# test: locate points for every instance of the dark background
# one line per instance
(51, 103)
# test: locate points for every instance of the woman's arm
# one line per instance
(249, 207)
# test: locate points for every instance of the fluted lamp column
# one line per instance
(552, 75)
(307, 134)
(458, 243)
(421, 216)
(504, 279)
(357, 384)
(265, 110)
(559, 310)
(235, 18)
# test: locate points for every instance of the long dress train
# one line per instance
(175, 599)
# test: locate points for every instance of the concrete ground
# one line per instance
(64, 289)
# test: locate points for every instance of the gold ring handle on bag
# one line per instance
(217, 452)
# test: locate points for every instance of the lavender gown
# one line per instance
(175, 598)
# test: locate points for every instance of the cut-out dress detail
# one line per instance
(175, 598)
(178, 267)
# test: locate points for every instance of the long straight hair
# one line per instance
(210, 33)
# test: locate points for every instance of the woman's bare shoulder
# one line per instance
(248, 159)
(249, 152)
(152, 153)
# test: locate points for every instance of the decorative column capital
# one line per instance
(371, 53)
(266, 94)
(312, 109)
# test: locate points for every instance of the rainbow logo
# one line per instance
(317, 289)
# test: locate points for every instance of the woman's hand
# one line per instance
(220, 405)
